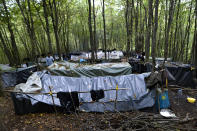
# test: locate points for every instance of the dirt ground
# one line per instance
(123, 121)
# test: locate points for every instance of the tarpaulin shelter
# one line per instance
(16, 76)
(183, 74)
(131, 93)
(94, 70)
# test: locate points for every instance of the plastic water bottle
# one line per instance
(180, 94)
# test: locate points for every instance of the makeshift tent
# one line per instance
(131, 93)
(17, 76)
(113, 54)
(178, 74)
(80, 70)
(139, 66)
(183, 74)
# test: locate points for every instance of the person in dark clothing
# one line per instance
(142, 56)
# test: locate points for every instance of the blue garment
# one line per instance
(163, 100)
(49, 60)
(81, 60)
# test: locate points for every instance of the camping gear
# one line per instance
(167, 113)
(191, 100)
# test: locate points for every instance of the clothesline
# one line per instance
(56, 92)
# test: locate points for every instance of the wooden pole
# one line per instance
(115, 102)
(52, 99)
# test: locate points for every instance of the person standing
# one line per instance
(49, 59)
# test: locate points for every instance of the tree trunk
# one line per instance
(141, 31)
(188, 33)
(14, 49)
(136, 30)
(175, 34)
(127, 27)
(195, 38)
(6, 50)
(148, 32)
(171, 11)
(47, 25)
(24, 42)
(131, 25)
(95, 37)
(28, 20)
(67, 30)
(154, 37)
(54, 17)
(90, 30)
(104, 27)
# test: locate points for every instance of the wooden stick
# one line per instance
(53, 100)
(56, 92)
(189, 89)
(115, 103)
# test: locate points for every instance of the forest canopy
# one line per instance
(160, 28)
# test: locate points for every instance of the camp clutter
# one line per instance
(96, 87)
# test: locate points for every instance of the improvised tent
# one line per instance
(114, 89)
(131, 92)
(13, 77)
(94, 70)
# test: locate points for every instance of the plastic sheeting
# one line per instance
(12, 78)
(183, 76)
(137, 96)
(178, 74)
(6, 67)
(100, 55)
(80, 70)
(33, 84)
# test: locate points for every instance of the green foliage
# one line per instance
(73, 19)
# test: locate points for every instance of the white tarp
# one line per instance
(136, 96)
(33, 84)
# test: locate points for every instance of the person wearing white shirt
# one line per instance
(49, 59)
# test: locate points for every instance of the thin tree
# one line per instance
(5, 49)
(104, 29)
(154, 37)
(170, 19)
(136, 29)
(148, 32)
(95, 37)
(14, 48)
(46, 11)
(195, 38)
(54, 17)
(188, 32)
(174, 54)
(28, 20)
(127, 27)
(90, 29)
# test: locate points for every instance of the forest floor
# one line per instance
(138, 120)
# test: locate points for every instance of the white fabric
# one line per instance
(33, 84)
